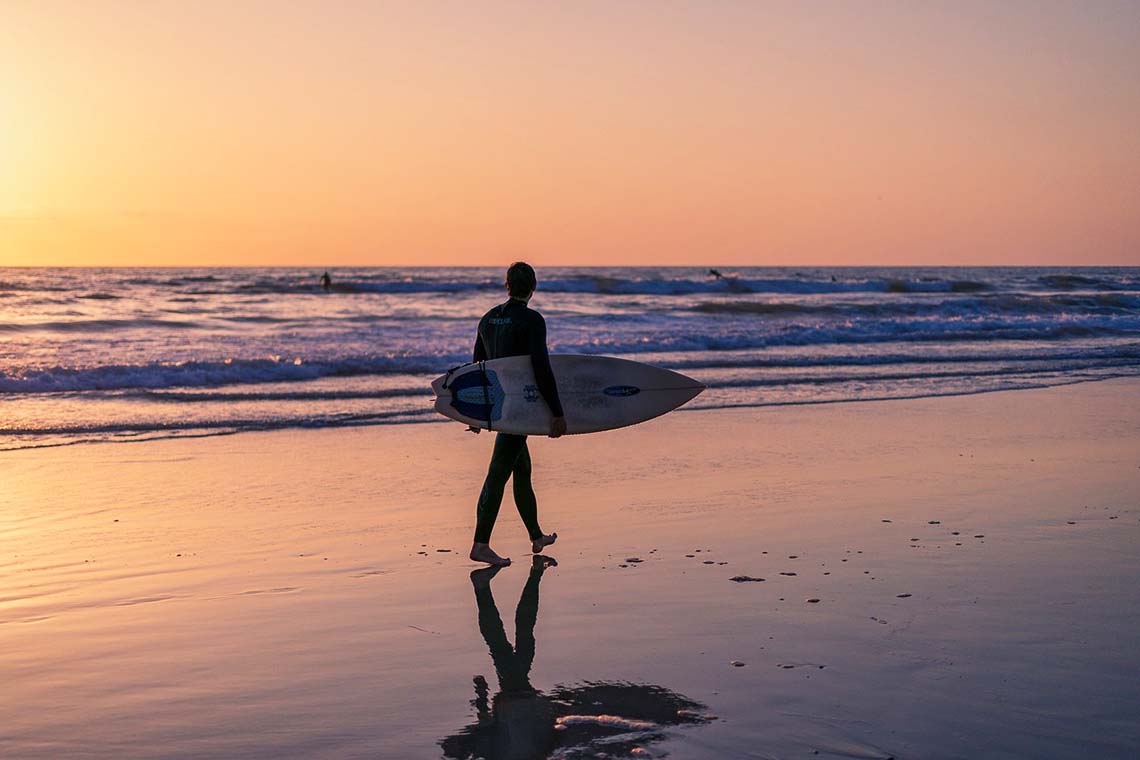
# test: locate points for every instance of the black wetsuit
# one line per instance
(512, 329)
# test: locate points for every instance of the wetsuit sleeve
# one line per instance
(540, 359)
(479, 353)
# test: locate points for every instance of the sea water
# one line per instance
(130, 354)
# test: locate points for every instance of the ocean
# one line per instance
(92, 355)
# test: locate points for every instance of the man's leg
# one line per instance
(527, 503)
(524, 493)
(506, 453)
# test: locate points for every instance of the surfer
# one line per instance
(513, 329)
(326, 282)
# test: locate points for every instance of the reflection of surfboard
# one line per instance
(597, 393)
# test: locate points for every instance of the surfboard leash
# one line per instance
(486, 394)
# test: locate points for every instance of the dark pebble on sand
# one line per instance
(886, 521)
(980, 535)
(745, 579)
(955, 533)
(708, 562)
(690, 555)
(737, 664)
(634, 559)
(1072, 522)
(793, 556)
(787, 573)
(786, 667)
(813, 600)
(914, 539)
(902, 596)
(443, 551)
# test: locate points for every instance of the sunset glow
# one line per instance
(592, 133)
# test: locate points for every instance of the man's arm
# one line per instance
(544, 375)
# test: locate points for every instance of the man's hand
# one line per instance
(558, 427)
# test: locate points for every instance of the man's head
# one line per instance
(521, 281)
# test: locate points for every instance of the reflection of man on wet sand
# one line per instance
(594, 720)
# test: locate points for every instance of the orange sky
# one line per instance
(885, 132)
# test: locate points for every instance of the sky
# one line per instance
(712, 132)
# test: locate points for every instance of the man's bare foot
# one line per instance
(481, 578)
(538, 544)
(484, 553)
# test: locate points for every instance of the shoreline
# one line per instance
(307, 594)
(434, 419)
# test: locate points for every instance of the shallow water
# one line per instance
(128, 354)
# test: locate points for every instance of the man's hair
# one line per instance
(521, 281)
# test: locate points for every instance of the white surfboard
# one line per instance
(597, 393)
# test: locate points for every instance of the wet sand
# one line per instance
(935, 578)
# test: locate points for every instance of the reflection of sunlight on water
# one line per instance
(598, 719)
(609, 721)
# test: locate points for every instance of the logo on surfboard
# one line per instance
(621, 390)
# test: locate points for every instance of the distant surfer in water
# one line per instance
(513, 329)
(326, 282)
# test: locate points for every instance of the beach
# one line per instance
(941, 578)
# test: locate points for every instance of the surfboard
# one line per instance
(597, 393)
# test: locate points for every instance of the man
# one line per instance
(512, 329)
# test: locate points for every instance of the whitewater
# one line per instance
(91, 355)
